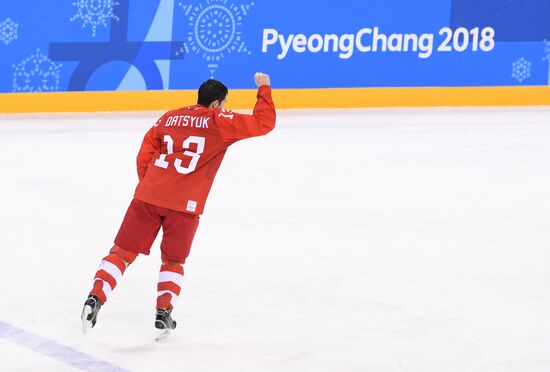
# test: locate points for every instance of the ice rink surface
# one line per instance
(346, 240)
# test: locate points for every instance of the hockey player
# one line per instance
(176, 166)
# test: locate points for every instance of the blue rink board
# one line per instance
(105, 45)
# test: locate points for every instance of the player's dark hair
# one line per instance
(210, 91)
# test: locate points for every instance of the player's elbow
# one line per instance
(141, 172)
(267, 125)
(267, 128)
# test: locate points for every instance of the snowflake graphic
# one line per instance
(95, 13)
(8, 31)
(521, 69)
(37, 73)
(215, 30)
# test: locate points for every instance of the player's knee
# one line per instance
(126, 256)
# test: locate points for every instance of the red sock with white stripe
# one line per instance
(110, 272)
(169, 285)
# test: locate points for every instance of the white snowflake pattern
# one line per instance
(37, 73)
(521, 69)
(95, 13)
(215, 30)
(8, 31)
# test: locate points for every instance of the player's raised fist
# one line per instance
(261, 79)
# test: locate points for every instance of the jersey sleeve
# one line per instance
(151, 143)
(234, 126)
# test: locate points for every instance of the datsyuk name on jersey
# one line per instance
(200, 122)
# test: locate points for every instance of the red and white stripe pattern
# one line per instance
(169, 285)
(108, 275)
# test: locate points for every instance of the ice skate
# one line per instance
(89, 313)
(164, 322)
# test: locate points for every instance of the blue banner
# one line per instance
(108, 45)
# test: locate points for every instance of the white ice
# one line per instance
(346, 240)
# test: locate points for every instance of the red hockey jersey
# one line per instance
(180, 155)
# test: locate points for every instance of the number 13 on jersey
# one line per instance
(199, 141)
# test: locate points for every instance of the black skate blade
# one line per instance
(86, 324)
